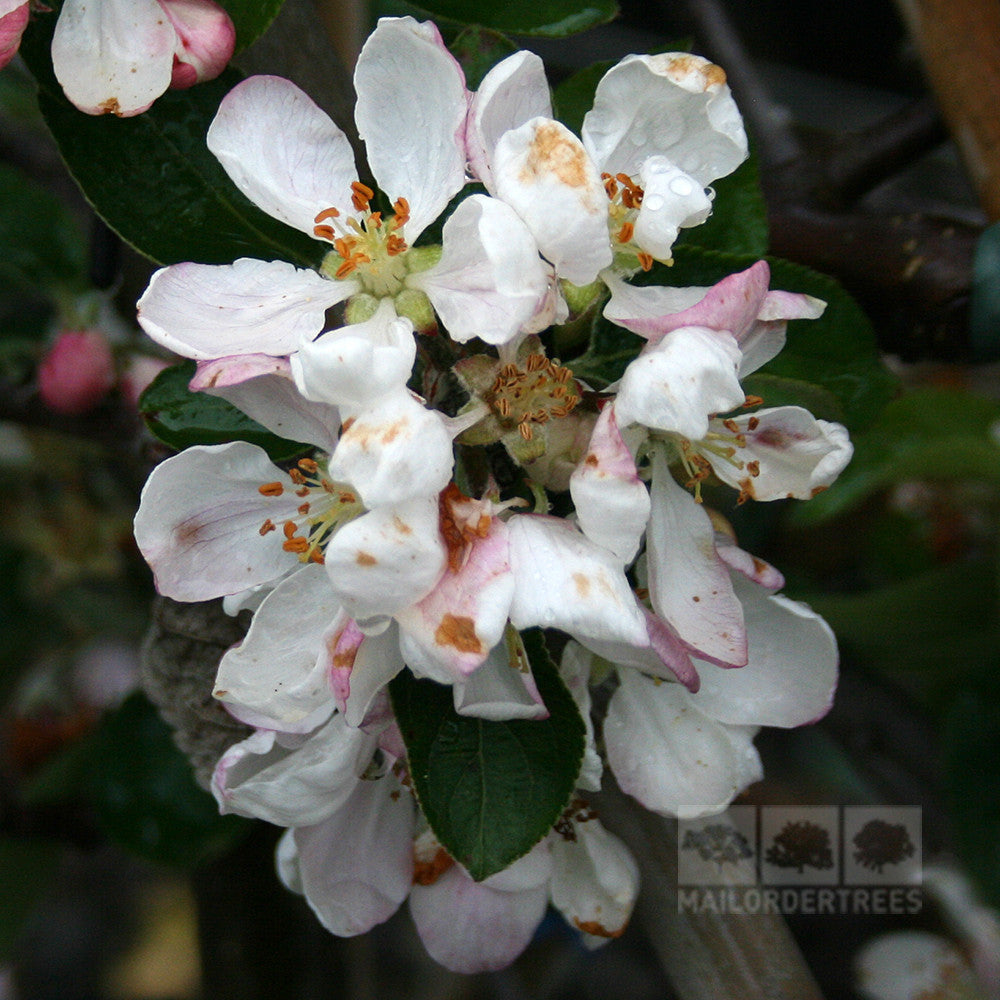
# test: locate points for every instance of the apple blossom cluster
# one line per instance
(416, 534)
(118, 56)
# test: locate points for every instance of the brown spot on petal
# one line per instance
(428, 872)
(592, 460)
(582, 584)
(190, 531)
(688, 65)
(401, 526)
(365, 559)
(552, 151)
(459, 632)
(598, 930)
(110, 106)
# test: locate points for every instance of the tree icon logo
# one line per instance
(720, 843)
(879, 843)
(801, 844)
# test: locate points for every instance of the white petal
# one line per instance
(668, 755)
(678, 382)
(282, 151)
(113, 56)
(411, 113)
(915, 965)
(357, 866)
(689, 586)
(672, 201)
(611, 501)
(574, 668)
(500, 689)
(490, 280)
(278, 672)
(512, 93)
(543, 172)
(295, 786)
(387, 559)
(359, 682)
(470, 927)
(357, 364)
(752, 567)
(796, 454)
(448, 635)
(247, 307)
(199, 521)
(273, 400)
(565, 581)
(673, 104)
(791, 670)
(394, 450)
(595, 879)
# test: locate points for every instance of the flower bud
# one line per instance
(206, 38)
(77, 372)
(12, 26)
(139, 372)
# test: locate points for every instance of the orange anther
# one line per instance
(753, 401)
(271, 489)
(753, 423)
(402, 209)
(289, 528)
(626, 233)
(324, 232)
(297, 544)
(317, 557)
(361, 195)
(395, 245)
(753, 468)
(304, 509)
(267, 526)
(304, 492)
(296, 477)
(375, 219)
(346, 268)
(327, 213)
(308, 465)
(731, 425)
(645, 260)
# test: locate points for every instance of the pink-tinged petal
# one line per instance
(791, 671)
(765, 338)
(449, 634)
(114, 56)
(199, 522)
(342, 640)
(357, 364)
(512, 93)
(272, 400)
(565, 581)
(612, 502)
(670, 756)
(733, 305)
(678, 382)
(206, 38)
(13, 21)
(356, 867)
(387, 559)
(394, 450)
(205, 311)
(663, 654)
(762, 573)
(574, 668)
(672, 201)
(359, 676)
(502, 688)
(490, 281)
(673, 104)
(297, 784)
(595, 879)
(795, 454)
(236, 368)
(543, 172)
(414, 134)
(689, 586)
(470, 927)
(282, 151)
(278, 672)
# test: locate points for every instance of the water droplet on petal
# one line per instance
(681, 187)
(654, 203)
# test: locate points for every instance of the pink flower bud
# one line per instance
(206, 38)
(77, 372)
(12, 25)
(139, 372)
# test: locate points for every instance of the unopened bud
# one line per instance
(12, 26)
(77, 372)
(206, 38)
(139, 372)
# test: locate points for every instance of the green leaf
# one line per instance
(938, 434)
(543, 18)
(26, 869)
(251, 18)
(152, 178)
(145, 793)
(479, 50)
(574, 96)
(738, 223)
(490, 790)
(42, 243)
(180, 417)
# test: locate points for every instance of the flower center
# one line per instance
(367, 246)
(522, 397)
(722, 444)
(325, 506)
(625, 200)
